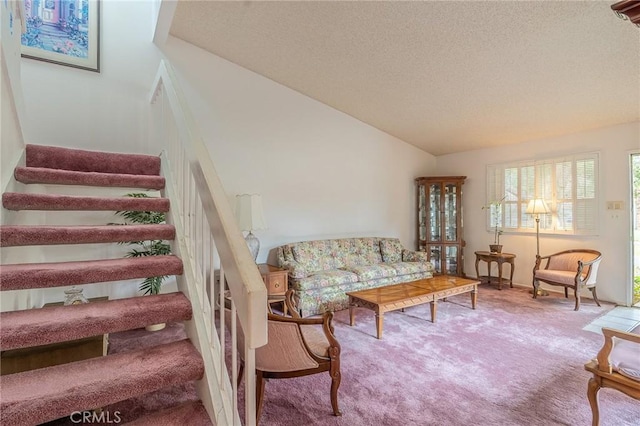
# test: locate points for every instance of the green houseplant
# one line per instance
(150, 285)
(495, 212)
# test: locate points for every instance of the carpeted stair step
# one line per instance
(34, 327)
(22, 201)
(44, 275)
(190, 413)
(52, 157)
(36, 396)
(12, 236)
(30, 175)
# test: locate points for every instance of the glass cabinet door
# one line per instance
(422, 213)
(435, 256)
(450, 213)
(451, 253)
(434, 213)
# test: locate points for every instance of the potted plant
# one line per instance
(495, 211)
(151, 285)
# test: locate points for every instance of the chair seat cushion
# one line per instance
(625, 357)
(316, 340)
(560, 277)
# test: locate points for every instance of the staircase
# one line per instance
(38, 396)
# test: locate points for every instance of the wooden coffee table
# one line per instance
(400, 296)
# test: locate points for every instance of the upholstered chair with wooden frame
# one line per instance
(617, 366)
(297, 347)
(574, 269)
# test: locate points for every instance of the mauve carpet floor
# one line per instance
(512, 361)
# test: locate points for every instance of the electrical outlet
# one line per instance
(614, 205)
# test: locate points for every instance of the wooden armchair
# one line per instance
(571, 269)
(297, 347)
(617, 366)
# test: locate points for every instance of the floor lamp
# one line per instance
(250, 218)
(536, 207)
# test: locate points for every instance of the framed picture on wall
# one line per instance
(65, 32)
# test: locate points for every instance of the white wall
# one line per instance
(12, 105)
(614, 145)
(321, 173)
(102, 111)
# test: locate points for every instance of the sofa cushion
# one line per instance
(404, 268)
(317, 255)
(372, 272)
(296, 270)
(324, 279)
(414, 256)
(364, 251)
(391, 250)
(284, 254)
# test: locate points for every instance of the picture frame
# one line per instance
(64, 32)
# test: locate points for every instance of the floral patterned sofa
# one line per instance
(322, 271)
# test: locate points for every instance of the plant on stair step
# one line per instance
(150, 285)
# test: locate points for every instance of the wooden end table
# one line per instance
(500, 259)
(276, 280)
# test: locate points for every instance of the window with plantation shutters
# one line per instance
(569, 185)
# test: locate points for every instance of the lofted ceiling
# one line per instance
(445, 76)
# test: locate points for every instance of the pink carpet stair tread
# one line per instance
(11, 236)
(91, 161)
(32, 397)
(21, 201)
(45, 275)
(71, 177)
(34, 327)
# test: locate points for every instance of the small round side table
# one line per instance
(500, 259)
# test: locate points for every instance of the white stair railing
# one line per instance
(211, 246)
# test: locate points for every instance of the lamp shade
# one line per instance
(249, 212)
(538, 206)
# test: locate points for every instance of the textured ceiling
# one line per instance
(445, 76)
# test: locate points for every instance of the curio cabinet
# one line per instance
(439, 222)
